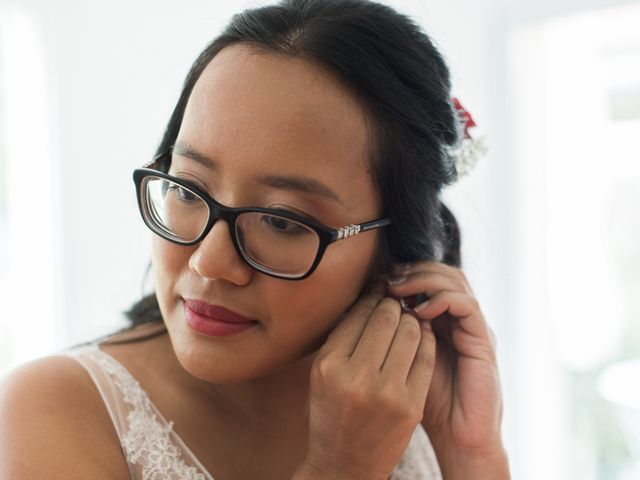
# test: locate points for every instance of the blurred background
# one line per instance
(550, 217)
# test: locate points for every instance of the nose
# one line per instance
(217, 258)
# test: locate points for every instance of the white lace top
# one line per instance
(155, 452)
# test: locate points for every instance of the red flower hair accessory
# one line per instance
(471, 147)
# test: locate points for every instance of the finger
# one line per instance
(402, 351)
(456, 274)
(429, 282)
(407, 268)
(471, 334)
(345, 336)
(377, 336)
(422, 369)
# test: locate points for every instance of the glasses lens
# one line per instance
(172, 210)
(277, 244)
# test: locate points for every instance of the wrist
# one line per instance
(487, 464)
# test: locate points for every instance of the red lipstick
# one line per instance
(214, 320)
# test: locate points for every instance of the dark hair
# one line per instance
(403, 83)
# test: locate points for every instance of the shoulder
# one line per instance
(55, 425)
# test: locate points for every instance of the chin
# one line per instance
(206, 361)
(217, 375)
(228, 364)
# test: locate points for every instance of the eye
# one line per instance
(283, 225)
(182, 194)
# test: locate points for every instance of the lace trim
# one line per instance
(147, 442)
(418, 461)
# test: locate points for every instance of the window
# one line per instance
(29, 293)
(576, 103)
(4, 247)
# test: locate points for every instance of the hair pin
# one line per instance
(471, 147)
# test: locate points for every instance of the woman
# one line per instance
(295, 207)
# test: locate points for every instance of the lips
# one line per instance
(216, 312)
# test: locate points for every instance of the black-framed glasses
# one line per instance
(274, 241)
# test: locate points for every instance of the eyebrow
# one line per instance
(286, 182)
(188, 152)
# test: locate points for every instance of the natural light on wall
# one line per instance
(575, 91)
(29, 292)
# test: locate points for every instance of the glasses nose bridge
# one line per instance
(218, 211)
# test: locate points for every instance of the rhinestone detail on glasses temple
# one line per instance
(348, 231)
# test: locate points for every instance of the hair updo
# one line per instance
(403, 84)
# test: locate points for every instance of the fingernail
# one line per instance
(397, 280)
(422, 306)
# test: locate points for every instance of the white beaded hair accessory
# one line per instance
(472, 146)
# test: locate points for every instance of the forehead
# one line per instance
(257, 112)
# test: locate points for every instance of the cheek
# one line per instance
(345, 268)
(312, 306)
(168, 261)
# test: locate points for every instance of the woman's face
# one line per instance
(258, 117)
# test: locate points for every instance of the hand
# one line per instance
(368, 386)
(463, 408)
